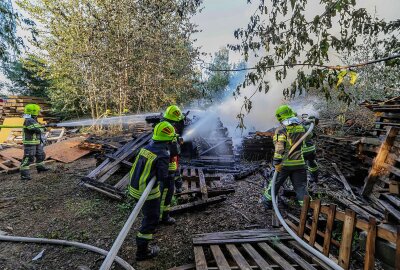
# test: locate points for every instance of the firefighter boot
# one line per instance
(25, 175)
(144, 251)
(41, 168)
(167, 220)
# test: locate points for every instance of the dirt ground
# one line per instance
(53, 205)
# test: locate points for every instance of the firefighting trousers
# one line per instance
(167, 189)
(30, 153)
(298, 178)
(312, 165)
(151, 215)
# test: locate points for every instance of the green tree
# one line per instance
(8, 28)
(28, 76)
(286, 35)
(217, 81)
(117, 55)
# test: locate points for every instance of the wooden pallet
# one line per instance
(99, 178)
(309, 229)
(253, 249)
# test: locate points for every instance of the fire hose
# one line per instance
(128, 224)
(11, 238)
(110, 255)
(309, 248)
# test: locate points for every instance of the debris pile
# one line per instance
(374, 160)
(258, 146)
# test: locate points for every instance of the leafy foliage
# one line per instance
(217, 81)
(29, 76)
(8, 37)
(283, 33)
(116, 55)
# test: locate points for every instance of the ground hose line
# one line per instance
(10, 238)
(309, 248)
(108, 261)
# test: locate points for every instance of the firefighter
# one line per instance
(151, 161)
(309, 150)
(33, 141)
(293, 165)
(174, 116)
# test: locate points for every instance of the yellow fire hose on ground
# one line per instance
(309, 248)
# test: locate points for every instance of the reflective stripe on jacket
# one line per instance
(152, 160)
(285, 137)
(32, 132)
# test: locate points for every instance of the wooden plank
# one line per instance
(383, 233)
(219, 258)
(310, 256)
(314, 226)
(390, 209)
(328, 230)
(344, 180)
(369, 261)
(394, 187)
(184, 267)
(398, 248)
(303, 216)
(294, 256)
(200, 258)
(123, 183)
(203, 186)
(276, 257)
(196, 204)
(347, 239)
(238, 257)
(258, 259)
(379, 160)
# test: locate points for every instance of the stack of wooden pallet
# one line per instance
(387, 114)
(258, 146)
(13, 106)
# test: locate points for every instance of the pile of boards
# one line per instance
(258, 146)
(374, 160)
(13, 106)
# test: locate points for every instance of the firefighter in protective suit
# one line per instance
(174, 116)
(151, 161)
(293, 165)
(33, 141)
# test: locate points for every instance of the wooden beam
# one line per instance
(278, 259)
(369, 262)
(238, 257)
(203, 186)
(303, 216)
(258, 259)
(328, 230)
(379, 160)
(347, 239)
(344, 180)
(314, 226)
(200, 258)
(219, 257)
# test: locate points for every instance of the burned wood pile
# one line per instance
(373, 160)
(215, 149)
(258, 146)
(202, 186)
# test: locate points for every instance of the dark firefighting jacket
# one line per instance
(285, 137)
(151, 161)
(32, 132)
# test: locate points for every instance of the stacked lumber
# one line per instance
(344, 152)
(13, 106)
(387, 114)
(258, 146)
